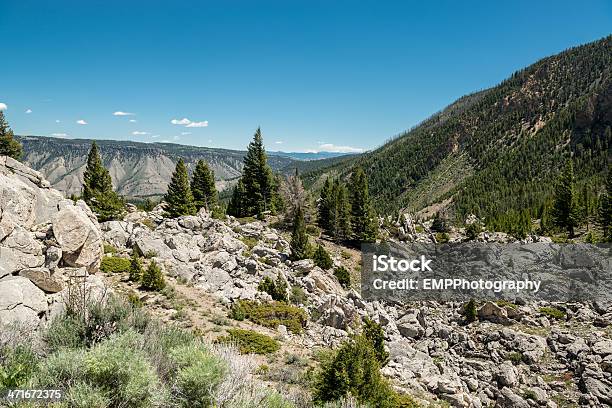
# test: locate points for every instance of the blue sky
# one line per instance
(315, 75)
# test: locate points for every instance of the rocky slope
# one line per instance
(515, 355)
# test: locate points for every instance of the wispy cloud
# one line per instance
(189, 123)
(332, 148)
(28, 111)
(155, 136)
(133, 120)
(185, 133)
(278, 142)
(198, 124)
(3, 106)
(59, 135)
(120, 113)
(81, 122)
(139, 133)
(57, 121)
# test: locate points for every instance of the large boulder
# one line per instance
(21, 302)
(79, 237)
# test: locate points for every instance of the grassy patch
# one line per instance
(552, 312)
(249, 341)
(270, 314)
(114, 264)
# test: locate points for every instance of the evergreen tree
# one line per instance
(135, 268)
(321, 258)
(203, 186)
(363, 220)
(342, 213)
(605, 209)
(375, 333)
(325, 205)
(566, 211)
(9, 146)
(179, 197)
(299, 239)
(98, 190)
(152, 277)
(257, 178)
(294, 197)
(237, 204)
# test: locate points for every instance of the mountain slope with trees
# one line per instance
(498, 153)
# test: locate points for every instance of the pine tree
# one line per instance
(257, 178)
(135, 268)
(605, 209)
(203, 186)
(299, 239)
(325, 205)
(566, 211)
(237, 205)
(98, 190)
(9, 146)
(294, 197)
(152, 277)
(179, 197)
(321, 258)
(342, 218)
(363, 220)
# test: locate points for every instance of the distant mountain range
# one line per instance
(138, 169)
(499, 151)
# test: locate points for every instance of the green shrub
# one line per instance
(552, 312)
(152, 277)
(354, 370)
(198, 375)
(472, 230)
(470, 313)
(109, 249)
(85, 395)
(343, 276)
(277, 289)
(149, 223)
(135, 270)
(114, 264)
(298, 296)
(376, 335)
(120, 367)
(321, 258)
(250, 242)
(150, 254)
(442, 237)
(16, 365)
(313, 230)
(514, 357)
(249, 341)
(271, 314)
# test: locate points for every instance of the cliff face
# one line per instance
(137, 169)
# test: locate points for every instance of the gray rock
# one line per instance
(509, 399)
(79, 238)
(21, 301)
(42, 278)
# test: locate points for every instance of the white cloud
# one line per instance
(330, 147)
(155, 136)
(59, 134)
(185, 133)
(197, 124)
(139, 133)
(3, 106)
(28, 111)
(120, 113)
(183, 121)
(81, 122)
(57, 121)
(133, 120)
(189, 123)
(279, 142)
(176, 137)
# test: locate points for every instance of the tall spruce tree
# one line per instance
(237, 205)
(342, 227)
(98, 190)
(257, 178)
(179, 197)
(605, 209)
(325, 205)
(9, 146)
(299, 238)
(363, 220)
(566, 211)
(203, 186)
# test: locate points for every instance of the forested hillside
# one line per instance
(498, 152)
